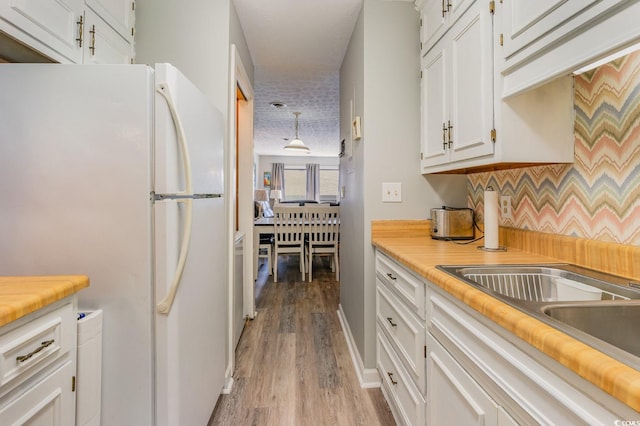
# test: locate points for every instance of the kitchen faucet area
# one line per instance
(328, 212)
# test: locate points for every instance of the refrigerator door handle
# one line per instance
(164, 307)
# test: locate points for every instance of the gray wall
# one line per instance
(381, 75)
(196, 39)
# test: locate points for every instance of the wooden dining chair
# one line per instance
(323, 233)
(288, 224)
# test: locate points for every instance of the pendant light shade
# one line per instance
(297, 144)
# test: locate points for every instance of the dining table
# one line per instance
(261, 225)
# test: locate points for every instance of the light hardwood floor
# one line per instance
(292, 362)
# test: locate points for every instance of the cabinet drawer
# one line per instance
(30, 347)
(407, 286)
(405, 331)
(406, 398)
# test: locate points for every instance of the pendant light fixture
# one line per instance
(296, 144)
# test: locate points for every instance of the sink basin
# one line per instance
(598, 309)
(543, 283)
(615, 323)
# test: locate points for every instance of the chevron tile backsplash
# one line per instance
(597, 197)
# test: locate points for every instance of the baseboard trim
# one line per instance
(228, 385)
(368, 377)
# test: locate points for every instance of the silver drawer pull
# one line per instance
(391, 322)
(46, 343)
(391, 276)
(393, 382)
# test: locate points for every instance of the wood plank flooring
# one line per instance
(293, 366)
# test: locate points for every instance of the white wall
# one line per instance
(380, 77)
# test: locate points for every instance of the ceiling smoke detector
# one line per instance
(278, 105)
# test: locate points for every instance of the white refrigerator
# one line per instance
(116, 172)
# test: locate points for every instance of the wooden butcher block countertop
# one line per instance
(409, 243)
(19, 296)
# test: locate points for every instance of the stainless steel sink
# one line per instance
(544, 283)
(598, 309)
(616, 324)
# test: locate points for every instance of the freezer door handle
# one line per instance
(161, 197)
(164, 307)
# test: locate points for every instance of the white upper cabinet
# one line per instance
(466, 125)
(70, 31)
(544, 39)
(103, 45)
(457, 89)
(526, 21)
(49, 26)
(438, 16)
(119, 14)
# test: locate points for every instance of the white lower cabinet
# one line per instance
(38, 367)
(443, 363)
(401, 350)
(455, 398)
(405, 399)
(48, 402)
(487, 366)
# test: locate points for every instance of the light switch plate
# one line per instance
(392, 192)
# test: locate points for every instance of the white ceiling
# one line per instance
(297, 48)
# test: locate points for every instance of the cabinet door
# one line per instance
(118, 14)
(50, 402)
(435, 105)
(48, 26)
(471, 116)
(103, 45)
(438, 16)
(453, 397)
(525, 21)
(433, 15)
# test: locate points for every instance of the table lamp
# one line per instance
(276, 195)
(260, 195)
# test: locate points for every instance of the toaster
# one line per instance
(452, 223)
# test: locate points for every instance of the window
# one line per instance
(328, 184)
(296, 183)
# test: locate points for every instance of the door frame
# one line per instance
(240, 142)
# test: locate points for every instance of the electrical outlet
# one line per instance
(392, 192)
(505, 207)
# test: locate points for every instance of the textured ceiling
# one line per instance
(297, 48)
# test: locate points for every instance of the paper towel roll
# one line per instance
(491, 219)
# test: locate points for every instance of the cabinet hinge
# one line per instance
(501, 39)
(73, 383)
(493, 135)
(132, 31)
(492, 7)
(421, 156)
(420, 21)
(420, 73)
(425, 351)
(133, 6)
